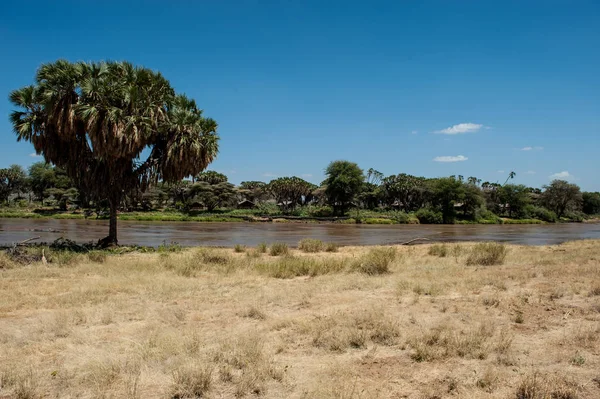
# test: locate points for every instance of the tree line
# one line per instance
(346, 187)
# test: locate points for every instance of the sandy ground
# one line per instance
(219, 324)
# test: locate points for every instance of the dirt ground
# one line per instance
(408, 322)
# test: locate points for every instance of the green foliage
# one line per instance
(516, 197)
(591, 203)
(343, 183)
(487, 254)
(262, 248)
(278, 249)
(561, 196)
(575, 216)
(12, 181)
(211, 177)
(310, 245)
(541, 213)
(429, 216)
(291, 191)
(113, 127)
(486, 217)
(446, 192)
(169, 247)
(376, 261)
(212, 195)
(239, 248)
(407, 192)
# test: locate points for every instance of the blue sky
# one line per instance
(430, 88)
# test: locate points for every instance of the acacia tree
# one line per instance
(95, 120)
(561, 196)
(291, 191)
(211, 177)
(344, 181)
(12, 181)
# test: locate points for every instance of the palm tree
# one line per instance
(95, 120)
(511, 175)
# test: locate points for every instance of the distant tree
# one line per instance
(213, 196)
(97, 120)
(511, 175)
(291, 191)
(447, 191)
(370, 195)
(516, 197)
(211, 177)
(410, 192)
(63, 196)
(343, 182)
(374, 177)
(561, 196)
(254, 190)
(41, 177)
(13, 180)
(591, 203)
(473, 199)
(474, 181)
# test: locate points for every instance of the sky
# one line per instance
(429, 88)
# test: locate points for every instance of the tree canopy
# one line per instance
(97, 120)
(343, 183)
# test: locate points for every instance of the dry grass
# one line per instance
(380, 322)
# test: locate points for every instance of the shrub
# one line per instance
(376, 261)
(575, 216)
(331, 247)
(429, 216)
(310, 245)
(400, 217)
(5, 262)
(541, 213)
(440, 250)
(289, 267)
(486, 216)
(239, 248)
(278, 249)
(169, 247)
(487, 254)
(261, 248)
(191, 381)
(208, 255)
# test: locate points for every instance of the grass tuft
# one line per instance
(310, 245)
(487, 254)
(278, 249)
(376, 261)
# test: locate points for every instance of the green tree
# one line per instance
(516, 197)
(343, 182)
(13, 180)
(254, 190)
(113, 127)
(211, 177)
(41, 177)
(409, 192)
(447, 192)
(472, 199)
(291, 191)
(213, 195)
(591, 203)
(561, 196)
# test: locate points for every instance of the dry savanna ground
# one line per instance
(428, 321)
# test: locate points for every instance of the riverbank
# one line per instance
(362, 217)
(420, 322)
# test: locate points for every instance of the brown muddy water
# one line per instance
(251, 234)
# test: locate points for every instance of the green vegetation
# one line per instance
(95, 120)
(278, 249)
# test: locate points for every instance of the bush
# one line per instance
(429, 216)
(239, 248)
(440, 250)
(5, 262)
(310, 245)
(541, 213)
(278, 249)
(209, 255)
(487, 254)
(290, 266)
(486, 216)
(331, 247)
(575, 216)
(376, 261)
(171, 247)
(261, 248)
(191, 381)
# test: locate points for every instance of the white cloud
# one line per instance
(562, 175)
(461, 128)
(269, 174)
(530, 172)
(414, 132)
(34, 155)
(458, 158)
(532, 148)
(307, 175)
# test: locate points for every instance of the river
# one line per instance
(229, 234)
